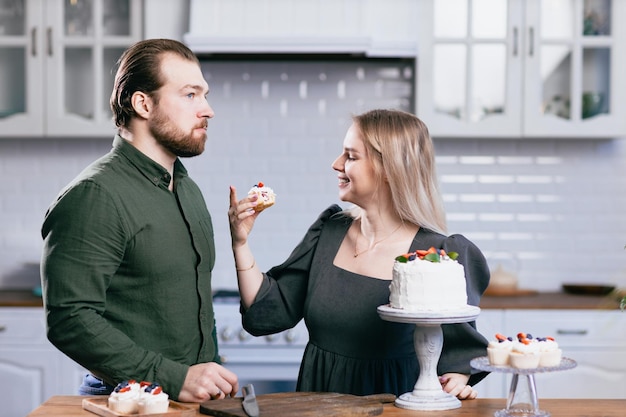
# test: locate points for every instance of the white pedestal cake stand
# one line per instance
(427, 393)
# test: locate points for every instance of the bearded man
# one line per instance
(128, 244)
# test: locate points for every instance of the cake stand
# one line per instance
(522, 400)
(427, 393)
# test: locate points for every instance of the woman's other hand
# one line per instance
(456, 384)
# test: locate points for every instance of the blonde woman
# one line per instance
(340, 272)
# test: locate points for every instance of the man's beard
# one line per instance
(173, 139)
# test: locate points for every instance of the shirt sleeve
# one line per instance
(84, 244)
(463, 342)
(279, 305)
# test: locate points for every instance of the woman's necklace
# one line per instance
(356, 241)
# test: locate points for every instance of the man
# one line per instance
(128, 244)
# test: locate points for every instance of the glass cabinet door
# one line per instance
(471, 67)
(92, 36)
(570, 66)
(21, 56)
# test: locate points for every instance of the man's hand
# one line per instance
(208, 381)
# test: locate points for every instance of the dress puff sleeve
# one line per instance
(463, 342)
(279, 304)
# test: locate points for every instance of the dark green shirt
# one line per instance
(126, 271)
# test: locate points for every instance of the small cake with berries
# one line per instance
(550, 352)
(499, 350)
(265, 196)
(125, 397)
(524, 352)
(152, 399)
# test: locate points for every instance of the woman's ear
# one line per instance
(142, 104)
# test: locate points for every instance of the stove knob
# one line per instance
(271, 337)
(291, 335)
(244, 335)
(227, 334)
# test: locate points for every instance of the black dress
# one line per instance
(351, 349)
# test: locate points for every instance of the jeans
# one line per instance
(93, 385)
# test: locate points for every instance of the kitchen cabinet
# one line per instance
(31, 368)
(374, 28)
(56, 62)
(522, 68)
(595, 339)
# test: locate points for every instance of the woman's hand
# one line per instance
(456, 384)
(241, 216)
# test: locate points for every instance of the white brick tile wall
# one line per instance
(552, 210)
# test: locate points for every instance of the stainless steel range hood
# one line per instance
(374, 28)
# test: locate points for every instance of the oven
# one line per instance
(270, 362)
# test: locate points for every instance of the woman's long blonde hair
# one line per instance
(402, 152)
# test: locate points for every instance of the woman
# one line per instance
(340, 272)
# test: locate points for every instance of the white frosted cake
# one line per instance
(429, 280)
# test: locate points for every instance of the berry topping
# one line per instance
(124, 386)
(432, 255)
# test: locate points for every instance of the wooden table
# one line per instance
(70, 406)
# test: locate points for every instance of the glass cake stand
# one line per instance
(427, 393)
(522, 400)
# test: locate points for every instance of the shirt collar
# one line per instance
(153, 171)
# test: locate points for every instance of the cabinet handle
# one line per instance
(49, 36)
(515, 41)
(531, 41)
(572, 332)
(33, 41)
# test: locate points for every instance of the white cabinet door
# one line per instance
(28, 362)
(469, 68)
(595, 339)
(572, 63)
(21, 62)
(522, 68)
(57, 64)
(28, 376)
(87, 37)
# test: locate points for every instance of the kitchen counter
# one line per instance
(19, 298)
(70, 406)
(552, 301)
(542, 300)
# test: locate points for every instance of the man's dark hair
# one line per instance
(139, 69)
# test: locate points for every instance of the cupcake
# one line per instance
(498, 350)
(525, 352)
(265, 196)
(550, 353)
(124, 397)
(152, 399)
